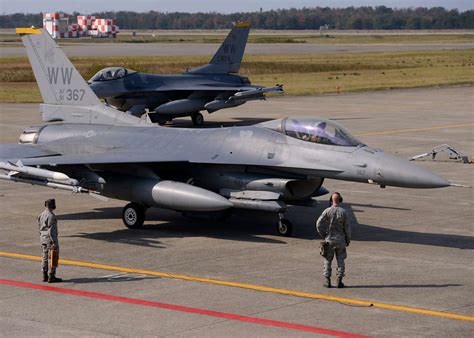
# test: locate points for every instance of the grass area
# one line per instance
(19, 92)
(300, 74)
(274, 38)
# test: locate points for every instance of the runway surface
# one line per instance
(178, 49)
(409, 271)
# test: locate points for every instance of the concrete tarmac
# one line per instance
(184, 49)
(411, 255)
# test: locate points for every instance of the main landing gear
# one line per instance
(133, 215)
(284, 226)
(198, 119)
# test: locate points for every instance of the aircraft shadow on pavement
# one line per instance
(371, 233)
(256, 227)
(174, 225)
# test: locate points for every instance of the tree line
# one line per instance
(380, 17)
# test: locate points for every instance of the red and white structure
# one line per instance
(57, 24)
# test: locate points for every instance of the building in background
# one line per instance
(57, 24)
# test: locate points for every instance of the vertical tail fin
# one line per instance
(229, 55)
(66, 95)
(58, 80)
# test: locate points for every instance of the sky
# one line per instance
(222, 6)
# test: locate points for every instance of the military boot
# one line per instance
(53, 279)
(45, 276)
(327, 282)
(340, 284)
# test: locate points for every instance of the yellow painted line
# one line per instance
(388, 132)
(247, 286)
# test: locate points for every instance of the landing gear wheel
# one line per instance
(284, 227)
(198, 119)
(133, 215)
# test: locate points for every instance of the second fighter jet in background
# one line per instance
(211, 87)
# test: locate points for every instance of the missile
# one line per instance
(36, 172)
(247, 93)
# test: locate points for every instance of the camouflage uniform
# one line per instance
(333, 225)
(48, 229)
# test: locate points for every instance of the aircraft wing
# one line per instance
(203, 87)
(33, 165)
(134, 157)
(18, 151)
(118, 157)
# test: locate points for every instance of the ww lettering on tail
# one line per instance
(65, 72)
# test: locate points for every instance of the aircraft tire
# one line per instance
(198, 119)
(284, 227)
(133, 215)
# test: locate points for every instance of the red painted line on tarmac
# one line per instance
(255, 320)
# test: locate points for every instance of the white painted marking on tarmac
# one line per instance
(125, 277)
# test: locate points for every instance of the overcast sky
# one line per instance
(223, 6)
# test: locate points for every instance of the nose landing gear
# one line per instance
(284, 226)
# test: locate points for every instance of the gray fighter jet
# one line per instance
(101, 151)
(210, 87)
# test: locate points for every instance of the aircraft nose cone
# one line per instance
(402, 173)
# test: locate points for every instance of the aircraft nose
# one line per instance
(395, 171)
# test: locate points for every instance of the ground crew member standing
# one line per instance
(48, 229)
(333, 225)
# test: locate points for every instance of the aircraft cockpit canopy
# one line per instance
(111, 73)
(314, 129)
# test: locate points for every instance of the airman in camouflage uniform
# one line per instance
(48, 229)
(333, 225)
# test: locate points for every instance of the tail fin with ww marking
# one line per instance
(66, 95)
(229, 55)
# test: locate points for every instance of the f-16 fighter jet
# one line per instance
(101, 151)
(210, 87)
